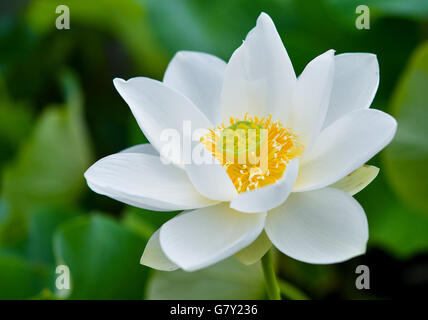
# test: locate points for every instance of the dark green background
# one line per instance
(59, 112)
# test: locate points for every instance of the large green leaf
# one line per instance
(393, 226)
(103, 258)
(228, 279)
(41, 227)
(50, 165)
(406, 159)
(20, 279)
(36, 250)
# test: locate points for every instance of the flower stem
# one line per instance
(271, 282)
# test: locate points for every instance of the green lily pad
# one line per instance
(393, 226)
(103, 258)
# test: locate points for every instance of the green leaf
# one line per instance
(400, 231)
(20, 279)
(42, 225)
(393, 226)
(50, 165)
(103, 258)
(407, 156)
(228, 279)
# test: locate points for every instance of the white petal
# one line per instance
(344, 147)
(198, 76)
(210, 178)
(157, 108)
(154, 257)
(356, 79)
(255, 251)
(205, 236)
(270, 196)
(322, 226)
(142, 148)
(142, 180)
(259, 77)
(311, 98)
(357, 180)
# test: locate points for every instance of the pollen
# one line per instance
(254, 151)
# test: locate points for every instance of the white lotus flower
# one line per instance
(324, 134)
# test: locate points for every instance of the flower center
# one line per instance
(255, 151)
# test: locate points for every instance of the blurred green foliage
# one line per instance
(407, 157)
(229, 279)
(59, 112)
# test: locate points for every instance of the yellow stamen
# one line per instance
(254, 151)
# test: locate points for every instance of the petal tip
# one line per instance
(118, 81)
(144, 258)
(87, 174)
(263, 16)
(181, 54)
(119, 84)
(264, 19)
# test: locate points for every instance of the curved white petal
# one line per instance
(255, 251)
(345, 146)
(209, 177)
(142, 180)
(357, 180)
(146, 148)
(162, 113)
(205, 236)
(356, 79)
(198, 76)
(154, 257)
(311, 98)
(322, 226)
(259, 77)
(270, 196)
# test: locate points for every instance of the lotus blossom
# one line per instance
(321, 132)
